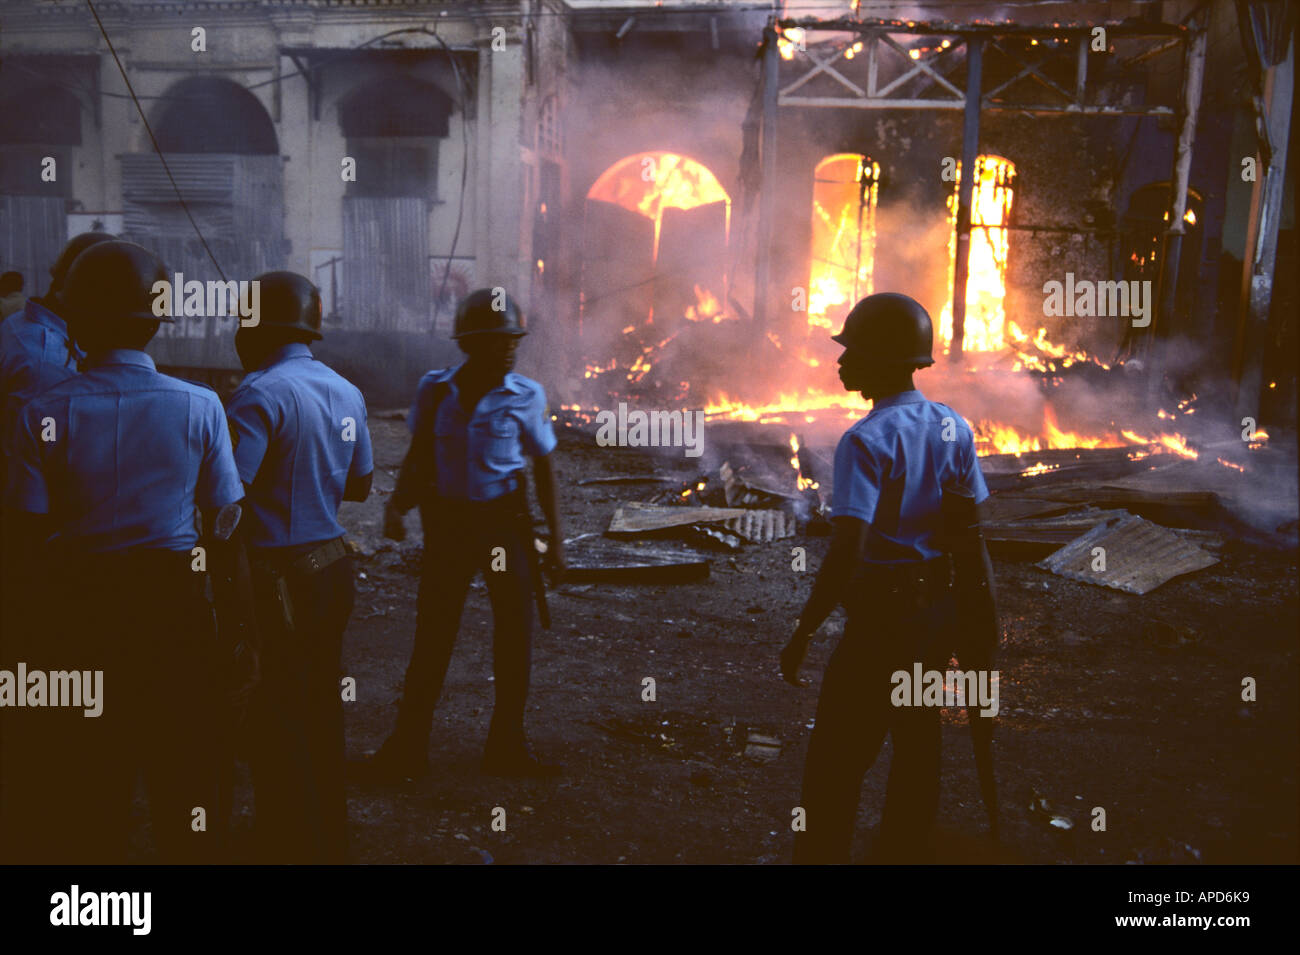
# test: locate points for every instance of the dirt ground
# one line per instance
(1108, 700)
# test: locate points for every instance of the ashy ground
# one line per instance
(1131, 704)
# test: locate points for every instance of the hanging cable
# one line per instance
(161, 158)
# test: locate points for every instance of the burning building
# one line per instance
(839, 145)
(689, 196)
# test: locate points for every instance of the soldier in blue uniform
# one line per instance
(472, 428)
(889, 563)
(109, 471)
(36, 351)
(302, 448)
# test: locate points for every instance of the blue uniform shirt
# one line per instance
(300, 433)
(33, 356)
(120, 456)
(478, 454)
(891, 468)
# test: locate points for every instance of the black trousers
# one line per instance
(143, 619)
(460, 540)
(893, 622)
(296, 726)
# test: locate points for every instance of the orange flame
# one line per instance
(849, 405)
(651, 182)
(845, 190)
(706, 307)
(803, 483)
(986, 283)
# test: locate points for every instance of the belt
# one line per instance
(312, 562)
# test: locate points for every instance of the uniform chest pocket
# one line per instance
(497, 441)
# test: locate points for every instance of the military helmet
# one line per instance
(892, 329)
(288, 300)
(488, 311)
(76, 245)
(113, 281)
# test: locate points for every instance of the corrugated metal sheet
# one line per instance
(201, 178)
(33, 230)
(634, 517)
(1139, 556)
(386, 275)
(760, 526)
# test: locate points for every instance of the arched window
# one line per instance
(208, 114)
(48, 115)
(653, 182)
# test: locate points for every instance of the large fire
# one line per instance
(651, 182)
(842, 270)
(986, 286)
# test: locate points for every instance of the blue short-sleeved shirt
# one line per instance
(300, 432)
(891, 468)
(477, 455)
(34, 355)
(121, 456)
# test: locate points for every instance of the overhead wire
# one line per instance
(154, 140)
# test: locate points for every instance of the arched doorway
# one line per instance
(1142, 236)
(222, 150)
(393, 128)
(655, 251)
(845, 190)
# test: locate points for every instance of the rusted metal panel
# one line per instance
(1137, 556)
(33, 230)
(387, 284)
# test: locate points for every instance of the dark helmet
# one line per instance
(288, 300)
(76, 245)
(893, 329)
(113, 281)
(489, 311)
